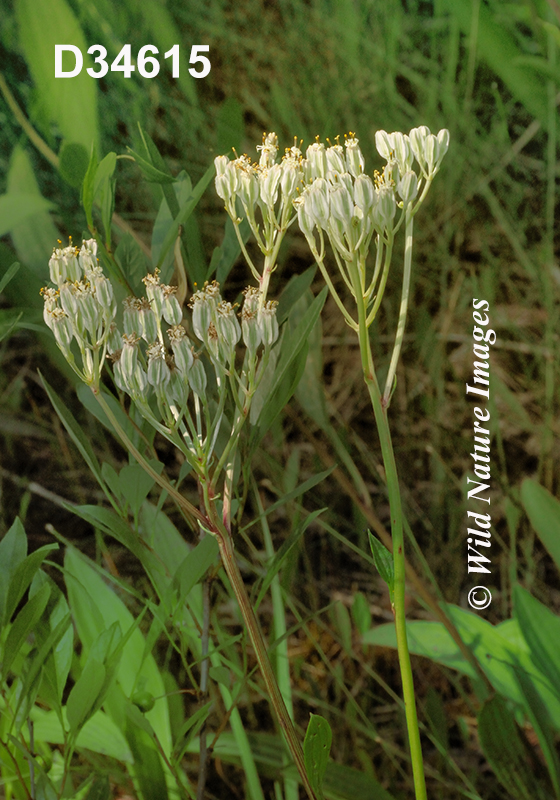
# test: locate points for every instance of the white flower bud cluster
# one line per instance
(268, 186)
(340, 199)
(82, 307)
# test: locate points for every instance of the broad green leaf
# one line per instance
(310, 392)
(87, 398)
(181, 192)
(383, 563)
(23, 624)
(135, 484)
(316, 749)
(16, 208)
(507, 750)
(296, 287)
(75, 432)
(185, 212)
(541, 629)
(13, 549)
(95, 607)
(8, 275)
(195, 565)
(150, 173)
(74, 161)
(361, 613)
(84, 694)
(220, 675)
(99, 734)
(542, 725)
(148, 769)
(225, 256)
(132, 261)
(88, 187)
(69, 103)
(543, 511)
(189, 729)
(103, 173)
(23, 575)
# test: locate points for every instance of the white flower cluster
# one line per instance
(340, 199)
(245, 186)
(81, 307)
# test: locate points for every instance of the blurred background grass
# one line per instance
(488, 71)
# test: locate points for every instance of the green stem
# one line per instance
(225, 544)
(380, 412)
(403, 309)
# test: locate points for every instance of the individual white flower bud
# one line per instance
(64, 266)
(172, 313)
(118, 375)
(227, 326)
(341, 204)
(249, 324)
(227, 183)
(59, 323)
(103, 291)
(114, 340)
(384, 144)
(290, 178)
(139, 382)
(181, 347)
(335, 158)
(355, 161)
(267, 323)
(390, 173)
(364, 194)
(179, 387)
(87, 366)
(158, 370)
(129, 357)
(145, 321)
(89, 316)
(268, 149)
(402, 151)
(317, 164)
(130, 316)
(407, 187)
(88, 255)
(443, 145)
(306, 221)
(431, 152)
(202, 309)
(154, 291)
(57, 267)
(197, 378)
(417, 138)
(319, 202)
(68, 299)
(212, 342)
(221, 164)
(385, 209)
(269, 182)
(248, 189)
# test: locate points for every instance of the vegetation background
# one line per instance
(487, 71)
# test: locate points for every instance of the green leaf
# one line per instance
(132, 261)
(151, 173)
(13, 549)
(185, 212)
(74, 162)
(23, 624)
(543, 511)
(361, 613)
(135, 484)
(75, 432)
(104, 172)
(84, 694)
(88, 187)
(69, 103)
(100, 788)
(23, 575)
(541, 629)
(17, 207)
(148, 769)
(291, 346)
(316, 749)
(508, 752)
(8, 275)
(220, 675)
(292, 292)
(383, 563)
(195, 565)
(9, 319)
(100, 734)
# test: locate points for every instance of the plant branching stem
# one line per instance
(393, 489)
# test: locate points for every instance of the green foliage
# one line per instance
(316, 749)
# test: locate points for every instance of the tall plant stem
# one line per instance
(393, 489)
(232, 571)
